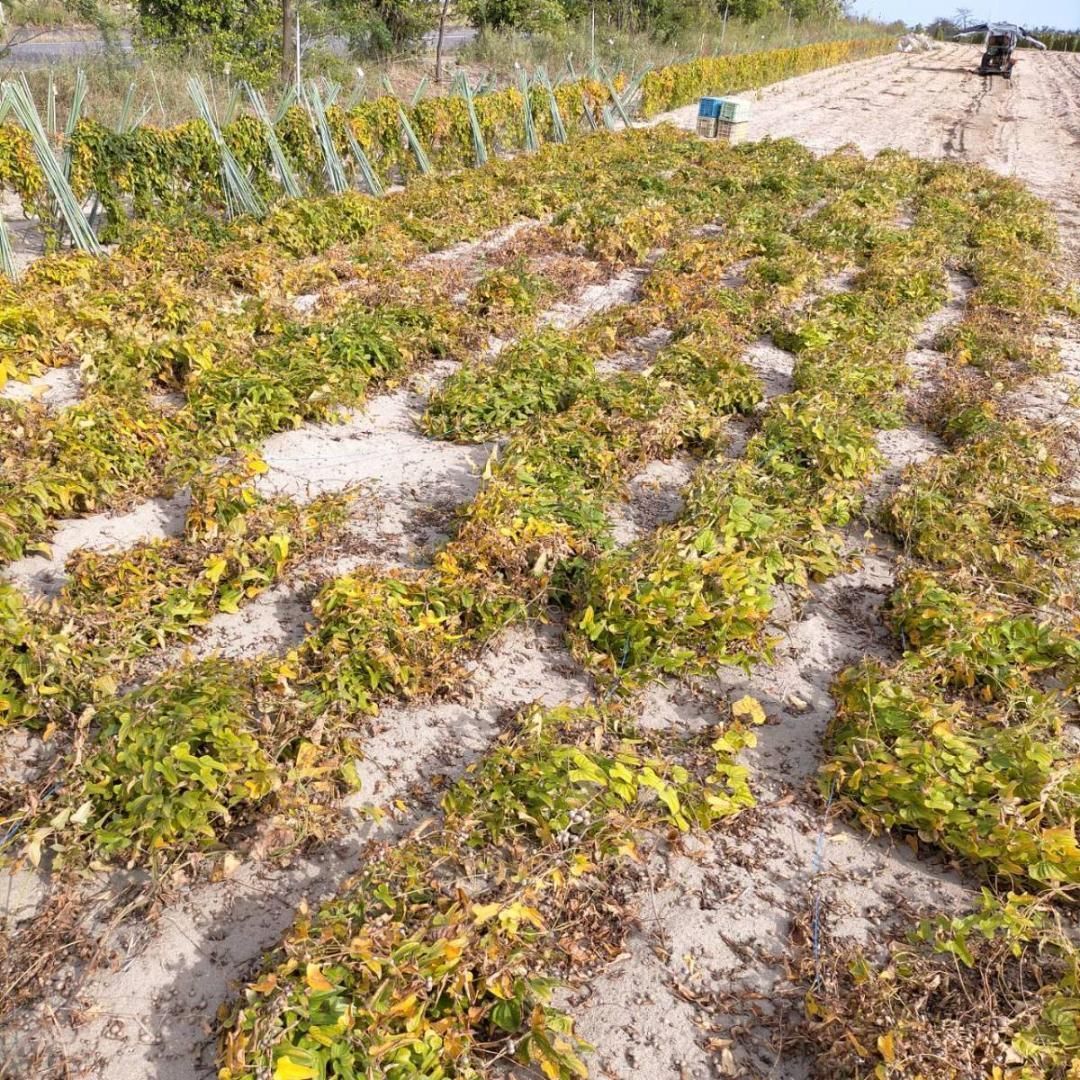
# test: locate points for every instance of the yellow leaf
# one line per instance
(307, 755)
(859, 1048)
(885, 1047)
(291, 1070)
(105, 685)
(316, 980)
(454, 949)
(405, 1007)
(33, 845)
(501, 986)
(216, 565)
(267, 983)
(749, 708)
(483, 912)
(580, 864)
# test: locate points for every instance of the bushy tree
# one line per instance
(515, 14)
(371, 28)
(943, 29)
(247, 35)
(243, 35)
(664, 17)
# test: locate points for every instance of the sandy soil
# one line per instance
(934, 105)
(718, 917)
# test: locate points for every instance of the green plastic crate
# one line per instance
(733, 110)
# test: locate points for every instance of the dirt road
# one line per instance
(934, 105)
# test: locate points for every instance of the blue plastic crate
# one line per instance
(709, 107)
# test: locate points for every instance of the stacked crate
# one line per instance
(708, 110)
(723, 118)
(732, 120)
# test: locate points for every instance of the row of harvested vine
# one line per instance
(961, 745)
(440, 957)
(369, 983)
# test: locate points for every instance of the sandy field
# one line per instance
(708, 964)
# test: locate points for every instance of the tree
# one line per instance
(373, 27)
(963, 17)
(439, 40)
(943, 29)
(527, 15)
(241, 35)
(289, 40)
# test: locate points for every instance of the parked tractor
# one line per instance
(999, 45)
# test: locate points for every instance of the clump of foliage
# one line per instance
(972, 639)
(173, 764)
(994, 784)
(508, 296)
(998, 347)
(989, 505)
(40, 666)
(440, 957)
(536, 375)
(990, 993)
(234, 547)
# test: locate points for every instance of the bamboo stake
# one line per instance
(285, 173)
(480, 155)
(335, 170)
(414, 143)
(240, 196)
(125, 110)
(233, 103)
(615, 98)
(7, 253)
(557, 126)
(78, 99)
(371, 178)
(531, 141)
(288, 100)
(50, 106)
(22, 104)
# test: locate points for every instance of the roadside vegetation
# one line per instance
(360, 45)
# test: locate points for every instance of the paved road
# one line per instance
(55, 47)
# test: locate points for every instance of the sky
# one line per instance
(1064, 14)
